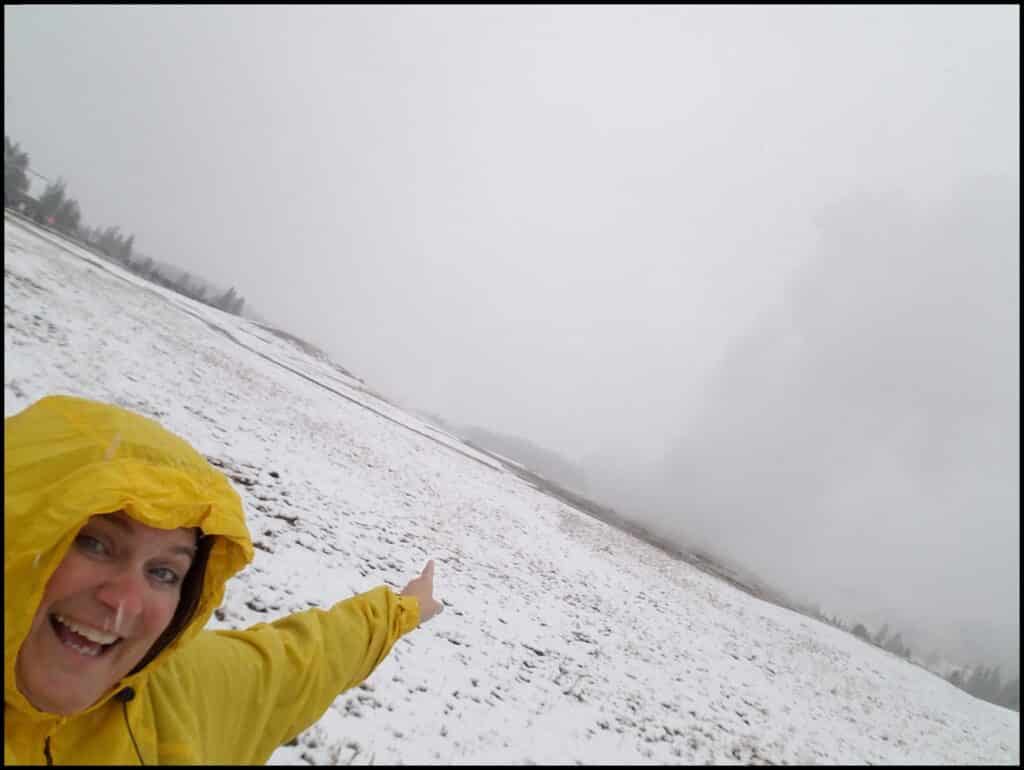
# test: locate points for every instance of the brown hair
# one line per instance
(188, 602)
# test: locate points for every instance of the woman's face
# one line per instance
(111, 597)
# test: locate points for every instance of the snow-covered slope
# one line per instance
(564, 639)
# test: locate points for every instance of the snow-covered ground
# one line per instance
(564, 640)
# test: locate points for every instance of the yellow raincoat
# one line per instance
(210, 697)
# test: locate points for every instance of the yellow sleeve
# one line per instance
(9, 758)
(260, 687)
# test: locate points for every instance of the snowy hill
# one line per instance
(564, 640)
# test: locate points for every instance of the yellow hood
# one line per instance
(66, 459)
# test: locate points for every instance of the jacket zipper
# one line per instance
(46, 751)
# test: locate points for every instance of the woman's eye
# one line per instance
(90, 544)
(166, 576)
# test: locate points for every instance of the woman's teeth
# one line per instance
(91, 651)
(92, 634)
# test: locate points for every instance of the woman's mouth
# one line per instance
(82, 639)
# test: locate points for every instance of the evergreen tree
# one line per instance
(50, 202)
(991, 686)
(68, 216)
(226, 301)
(895, 645)
(973, 683)
(144, 267)
(1010, 695)
(880, 637)
(110, 242)
(15, 172)
(125, 250)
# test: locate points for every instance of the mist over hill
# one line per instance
(544, 462)
(859, 446)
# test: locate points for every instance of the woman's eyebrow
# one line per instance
(123, 522)
(187, 550)
(118, 519)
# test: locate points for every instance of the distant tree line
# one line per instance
(983, 682)
(54, 208)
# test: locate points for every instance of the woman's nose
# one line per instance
(124, 594)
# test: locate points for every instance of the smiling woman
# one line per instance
(110, 600)
(119, 539)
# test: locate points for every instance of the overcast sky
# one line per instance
(612, 230)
